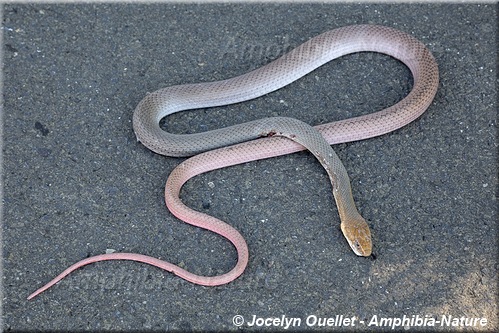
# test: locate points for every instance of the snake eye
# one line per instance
(355, 245)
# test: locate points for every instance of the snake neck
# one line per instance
(353, 226)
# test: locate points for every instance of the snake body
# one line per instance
(276, 136)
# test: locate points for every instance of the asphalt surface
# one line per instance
(76, 183)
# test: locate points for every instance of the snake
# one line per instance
(274, 136)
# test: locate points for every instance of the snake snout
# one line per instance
(364, 251)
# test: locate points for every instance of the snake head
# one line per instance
(358, 236)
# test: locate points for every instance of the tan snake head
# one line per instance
(358, 236)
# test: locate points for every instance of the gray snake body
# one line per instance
(275, 136)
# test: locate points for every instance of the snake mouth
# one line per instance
(359, 250)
